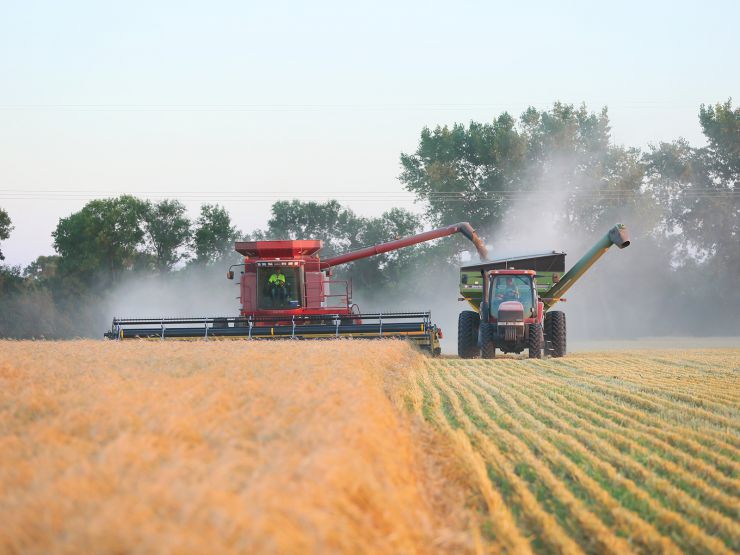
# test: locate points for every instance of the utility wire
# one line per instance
(364, 196)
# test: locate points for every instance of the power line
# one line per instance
(289, 107)
(362, 196)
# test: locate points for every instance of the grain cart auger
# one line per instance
(512, 299)
(288, 292)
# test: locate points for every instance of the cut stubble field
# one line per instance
(364, 447)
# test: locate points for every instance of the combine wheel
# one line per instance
(535, 341)
(467, 334)
(555, 333)
(487, 340)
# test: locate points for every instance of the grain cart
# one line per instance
(512, 299)
(311, 304)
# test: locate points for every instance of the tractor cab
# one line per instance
(509, 286)
(510, 301)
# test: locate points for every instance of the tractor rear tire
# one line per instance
(555, 334)
(467, 334)
(487, 340)
(535, 341)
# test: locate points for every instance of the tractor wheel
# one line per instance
(220, 323)
(555, 334)
(535, 341)
(467, 334)
(487, 340)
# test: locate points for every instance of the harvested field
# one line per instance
(364, 447)
(600, 453)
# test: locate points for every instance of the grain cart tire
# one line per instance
(467, 334)
(487, 340)
(555, 334)
(535, 341)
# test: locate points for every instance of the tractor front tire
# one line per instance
(487, 340)
(555, 334)
(467, 334)
(535, 341)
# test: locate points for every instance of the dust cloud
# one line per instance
(191, 292)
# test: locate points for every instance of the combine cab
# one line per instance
(512, 299)
(288, 292)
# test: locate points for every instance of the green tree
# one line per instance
(390, 271)
(101, 240)
(167, 231)
(559, 161)
(697, 192)
(43, 270)
(466, 173)
(5, 228)
(214, 235)
(329, 222)
(721, 126)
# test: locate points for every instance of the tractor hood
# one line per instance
(510, 311)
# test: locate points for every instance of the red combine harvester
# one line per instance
(305, 303)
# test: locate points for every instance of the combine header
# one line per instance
(512, 299)
(288, 292)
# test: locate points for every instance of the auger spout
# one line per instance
(463, 228)
(618, 235)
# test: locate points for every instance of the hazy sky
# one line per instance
(244, 103)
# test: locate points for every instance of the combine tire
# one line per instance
(467, 334)
(535, 341)
(555, 334)
(487, 340)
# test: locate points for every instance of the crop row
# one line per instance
(595, 454)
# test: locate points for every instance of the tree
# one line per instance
(167, 231)
(559, 161)
(697, 191)
(465, 173)
(5, 228)
(329, 222)
(721, 126)
(214, 235)
(101, 240)
(42, 270)
(385, 272)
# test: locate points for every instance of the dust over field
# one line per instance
(364, 447)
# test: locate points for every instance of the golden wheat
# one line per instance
(364, 447)
(217, 447)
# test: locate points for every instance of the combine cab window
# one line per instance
(275, 294)
(513, 288)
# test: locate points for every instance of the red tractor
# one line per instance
(513, 297)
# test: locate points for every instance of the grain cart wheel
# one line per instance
(547, 333)
(487, 340)
(467, 334)
(535, 341)
(555, 333)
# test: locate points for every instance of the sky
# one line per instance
(245, 103)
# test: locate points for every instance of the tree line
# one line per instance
(506, 176)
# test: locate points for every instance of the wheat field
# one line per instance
(364, 447)
(598, 453)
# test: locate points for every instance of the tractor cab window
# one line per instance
(278, 288)
(512, 288)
